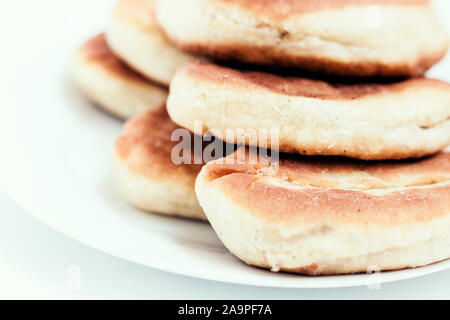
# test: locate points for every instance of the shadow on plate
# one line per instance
(194, 234)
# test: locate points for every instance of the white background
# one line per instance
(37, 262)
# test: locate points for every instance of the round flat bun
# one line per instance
(111, 84)
(145, 172)
(135, 37)
(329, 215)
(344, 37)
(398, 120)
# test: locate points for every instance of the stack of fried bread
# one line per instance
(332, 140)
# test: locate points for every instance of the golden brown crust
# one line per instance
(332, 172)
(311, 189)
(310, 270)
(268, 56)
(146, 147)
(314, 269)
(295, 86)
(401, 153)
(285, 8)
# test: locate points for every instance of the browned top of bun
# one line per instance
(146, 147)
(311, 188)
(295, 86)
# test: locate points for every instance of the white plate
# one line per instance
(56, 157)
